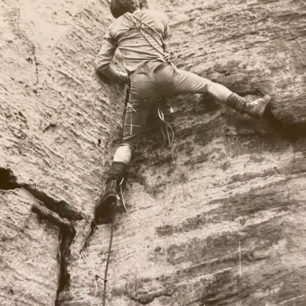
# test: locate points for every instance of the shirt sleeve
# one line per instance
(103, 63)
(106, 53)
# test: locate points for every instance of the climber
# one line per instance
(140, 34)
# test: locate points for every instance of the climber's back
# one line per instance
(137, 33)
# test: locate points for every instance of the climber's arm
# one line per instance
(104, 68)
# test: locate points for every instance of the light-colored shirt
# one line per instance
(139, 36)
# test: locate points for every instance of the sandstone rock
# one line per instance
(218, 219)
(29, 249)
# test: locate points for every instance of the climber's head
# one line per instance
(120, 7)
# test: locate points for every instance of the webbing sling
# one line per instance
(138, 25)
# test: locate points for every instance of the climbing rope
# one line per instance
(170, 139)
(110, 245)
(108, 261)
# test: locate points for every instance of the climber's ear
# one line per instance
(144, 4)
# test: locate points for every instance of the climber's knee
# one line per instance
(218, 91)
(123, 154)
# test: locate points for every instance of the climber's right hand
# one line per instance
(111, 75)
(122, 78)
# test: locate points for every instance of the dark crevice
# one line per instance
(8, 181)
(58, 213)
(62, 208)
(67, 233)
(93, 227)
(290, 132)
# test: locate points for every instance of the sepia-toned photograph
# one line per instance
(153, 152)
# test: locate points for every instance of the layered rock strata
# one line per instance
(217, 219)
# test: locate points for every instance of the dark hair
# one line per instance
(120, 7)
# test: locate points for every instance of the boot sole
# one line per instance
(267, 100)
(104, 208)
(264, 108)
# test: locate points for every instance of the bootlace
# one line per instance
(121, 195)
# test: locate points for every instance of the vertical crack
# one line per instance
(91, 231)
(22, 35)
(58, 213)
(66, 236)
(36, 65)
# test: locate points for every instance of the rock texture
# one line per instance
(218, 219)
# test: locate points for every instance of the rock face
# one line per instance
(218, 219)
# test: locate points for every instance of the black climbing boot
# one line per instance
(107, 202)
(255, 109)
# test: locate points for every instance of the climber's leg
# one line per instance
(182, 82)
(188, 82)
(136, 113)
(123, 154)
(115, 175)
(135, 118)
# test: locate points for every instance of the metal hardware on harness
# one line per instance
(162, 118)
(167, 137)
